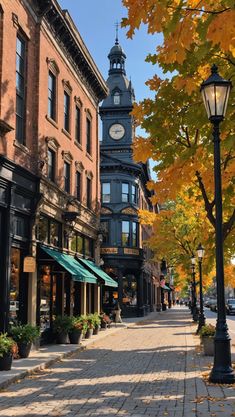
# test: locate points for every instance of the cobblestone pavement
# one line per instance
(151, 369)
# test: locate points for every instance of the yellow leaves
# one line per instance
(204, 71)
(146, 217)
(154, 83)
(142, 149)
(222, 31)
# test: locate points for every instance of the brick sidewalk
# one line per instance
(151, 369)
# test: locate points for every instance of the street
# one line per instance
(150, 369)
(211, 318)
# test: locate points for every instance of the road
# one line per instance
(211, 318)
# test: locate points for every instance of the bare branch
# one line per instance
(189, 9)
(208, 205)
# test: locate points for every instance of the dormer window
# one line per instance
(116, 98)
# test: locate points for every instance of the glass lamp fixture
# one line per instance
(215, 93)
(200, 251)
(193, 260)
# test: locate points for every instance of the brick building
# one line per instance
(49, 164)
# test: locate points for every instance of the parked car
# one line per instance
(213, 305)
(230, 306)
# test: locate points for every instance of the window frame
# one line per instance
(20, 117)
(134, 196)
(89, 192)
(105, 194)
(53, 100)
(53, 153)
(126, 233)
(124, 193)
(105, 232)
(88, 134)
(67, 180)
(78, 193)
(77, 127)
(67, 111)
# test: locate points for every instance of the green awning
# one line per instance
(98, 272)
(69, 263)
(165, 287)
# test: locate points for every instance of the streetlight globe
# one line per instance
(200, 251)
(193, 260)
(215, 93)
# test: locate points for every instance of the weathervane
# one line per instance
(116, 40)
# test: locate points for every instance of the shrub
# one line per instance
(7, 345)
(207, 330)
(78, 323)
(62, 324)
(96, 320)
(25, 333)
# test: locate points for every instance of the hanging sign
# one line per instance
(29, 264)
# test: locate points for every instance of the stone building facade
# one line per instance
(49, 164)
(124, 191)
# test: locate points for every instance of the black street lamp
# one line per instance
(201, 320)
(215, 92)
(194, 297)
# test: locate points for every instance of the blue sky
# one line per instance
(95, 20)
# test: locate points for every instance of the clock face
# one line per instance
(117, 131)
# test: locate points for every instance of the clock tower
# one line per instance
(115, 110)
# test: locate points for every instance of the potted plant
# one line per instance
(96, 322)
(24, 335)
(77, 327)
(61, 327)
(207, 334)
(8, 347)
(90, 326)
(105, 321)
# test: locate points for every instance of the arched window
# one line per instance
(116, 98)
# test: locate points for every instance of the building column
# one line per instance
(32, 298)
(97, 298)
(158, 307)
(140, 294)
(83, 298)
(151, 287)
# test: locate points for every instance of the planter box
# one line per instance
(208, 345)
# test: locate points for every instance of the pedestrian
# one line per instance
(117, 314)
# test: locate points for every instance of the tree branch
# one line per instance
(208, 205)
(189, 9)
(227, 226)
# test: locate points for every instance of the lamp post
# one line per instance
(194, 297)
(215, 92)
(201, 320)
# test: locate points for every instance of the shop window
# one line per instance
(77, 124)
(88, 135)
(67, 177)
(106, 192)
(134, 194)
(51, 95)
(125, 192)
(55, 233)
(129, 296)
(47, 298)
(51, 164)
(20, 226)
(88, 193)
(66, 111)
(77, 244)
(105, 232)
(14, 286)
(125, 233)
(88, 247)
(43, 230)
(49, 231)
(20, 89)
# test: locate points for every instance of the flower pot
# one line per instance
(96, 330)
(103, 325)
(208, 345)
(62, 338)
(6, 362)
(89, 333)
(24, 349)
(75, 337)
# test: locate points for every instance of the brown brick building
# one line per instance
(49, 163)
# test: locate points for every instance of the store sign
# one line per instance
(131, 251)
(29, 264)
(109, 250)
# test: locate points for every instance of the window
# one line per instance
(20, 226)
(134, 194)
(125, 192)
(51, 164)
(51, 96)
(78, 186)
(88, 191)
(125, 233)
(116, 98)
(106, 197)
(20, 89)
(77, 124)
(88, 136)
(49, 231)
(88, 247)
(66, 111)
(67, 177)
(134, 234)
(105, 232)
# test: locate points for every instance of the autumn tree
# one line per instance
(196, 35)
